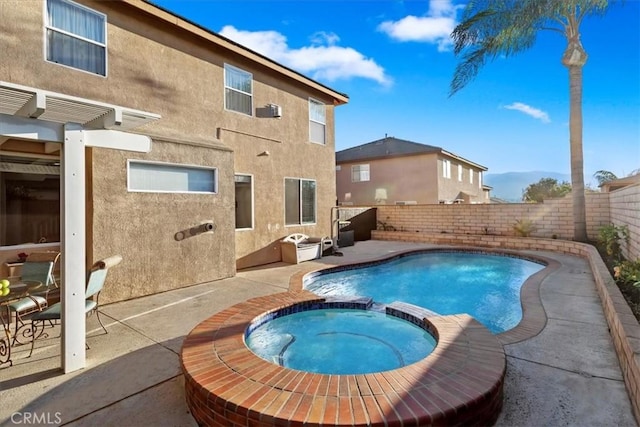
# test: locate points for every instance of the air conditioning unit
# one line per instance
(276, 110)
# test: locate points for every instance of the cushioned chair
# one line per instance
(38, 267)
(95, 283)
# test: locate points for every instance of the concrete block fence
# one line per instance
(551, 219)
(625, 210)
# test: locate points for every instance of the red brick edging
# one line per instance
(226, 384)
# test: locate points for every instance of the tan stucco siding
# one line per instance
(450, 188)
(407, 178)
(160, 68)
(142, 226)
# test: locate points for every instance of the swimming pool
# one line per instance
(482, 284)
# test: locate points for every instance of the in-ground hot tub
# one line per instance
(340, 337)
(459, 382)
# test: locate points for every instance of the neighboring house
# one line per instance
(395, 171)
(619, 183)
(160, 126)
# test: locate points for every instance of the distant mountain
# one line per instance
(509, 186)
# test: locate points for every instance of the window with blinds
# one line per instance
(317, 122)
(238, 90)
(170, 178)
(359, 173)
(76, 36)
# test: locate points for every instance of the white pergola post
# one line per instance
(72, 207)
(32, 114)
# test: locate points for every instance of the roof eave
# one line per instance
(178, 21)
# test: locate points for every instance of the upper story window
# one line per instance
(156, 177)
(479, 179)
(76, 36)
(446, 168)
(317, 121)
(238, 90)
(359, 173)
(460, 173)
(470, 176)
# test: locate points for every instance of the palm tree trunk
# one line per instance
(577, 162)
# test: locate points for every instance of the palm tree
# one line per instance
(603, 176)
(493, 28)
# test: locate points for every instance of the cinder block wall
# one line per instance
(625, 210)
(552, 219)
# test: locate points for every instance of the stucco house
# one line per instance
(401, 172)
(126, 129)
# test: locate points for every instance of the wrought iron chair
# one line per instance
(95, 283)
(38, 267)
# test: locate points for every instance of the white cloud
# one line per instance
(322, 37)
(530, 111)
(435, 27)
(322, 60)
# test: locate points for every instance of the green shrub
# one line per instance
(628, 273)
(610, 238)
(524, 227)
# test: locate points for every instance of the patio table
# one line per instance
(19, 290)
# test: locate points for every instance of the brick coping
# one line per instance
(534, 318)
(460, 382)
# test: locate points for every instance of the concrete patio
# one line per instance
(566, 375)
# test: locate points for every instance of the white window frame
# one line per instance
(133, 189)
(315, 202)
(460, 173)
(479, 179)
(317, 121)
(360, 173)
(249, 94)
(470, 176)
(446, 168)
(253, 207)
(49, 27)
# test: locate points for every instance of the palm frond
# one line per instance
(494, 28)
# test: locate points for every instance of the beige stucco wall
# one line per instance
(449, 188)
(416, 178)
(142, 226)
(157, 67)
(402, 178)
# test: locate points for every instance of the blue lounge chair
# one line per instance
(95, 283)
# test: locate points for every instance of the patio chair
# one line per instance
(38, 267)
(95, 283)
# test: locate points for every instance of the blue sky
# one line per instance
(394, 59)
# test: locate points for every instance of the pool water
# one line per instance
(482, 285)
(340, 341)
